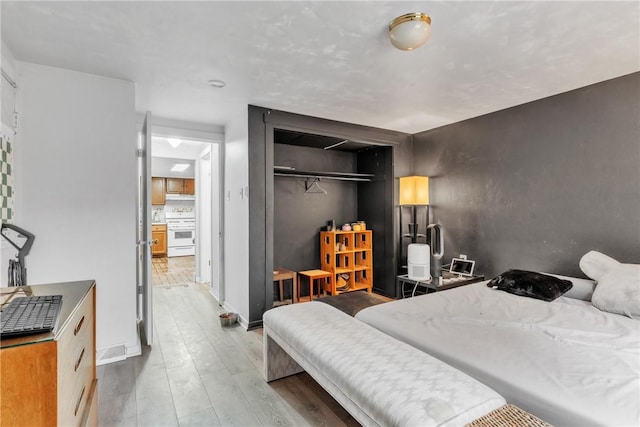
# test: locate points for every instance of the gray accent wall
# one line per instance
(538, 185)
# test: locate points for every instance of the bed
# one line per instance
(564, 361)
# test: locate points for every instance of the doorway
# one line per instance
(183, 247)
(169, 196)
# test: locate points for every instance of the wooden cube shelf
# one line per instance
(348, 253)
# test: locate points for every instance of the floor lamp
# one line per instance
(414, 191)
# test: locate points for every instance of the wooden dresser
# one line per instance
(50, 379)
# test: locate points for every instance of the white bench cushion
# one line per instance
(382, 381)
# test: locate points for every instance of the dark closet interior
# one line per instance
(284, 221)
(322, 178)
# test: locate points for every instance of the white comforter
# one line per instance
(565, 361)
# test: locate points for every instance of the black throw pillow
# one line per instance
(530, 284)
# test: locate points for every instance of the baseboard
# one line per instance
(256, 324)
(214, 297)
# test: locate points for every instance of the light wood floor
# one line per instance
(200, 374)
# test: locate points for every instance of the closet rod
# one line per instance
(7, 78)
(338, 178)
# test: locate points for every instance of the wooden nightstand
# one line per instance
(449, 281)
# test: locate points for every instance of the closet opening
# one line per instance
(328, 179)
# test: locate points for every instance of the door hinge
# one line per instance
(140, 152)
(139, 289)
(15, 120)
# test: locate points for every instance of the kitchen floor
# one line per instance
(173, 271)
(198, 373)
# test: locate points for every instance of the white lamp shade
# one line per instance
(410, 31)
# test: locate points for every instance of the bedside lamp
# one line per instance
(414, 191)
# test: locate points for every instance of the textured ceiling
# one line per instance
(331, 59)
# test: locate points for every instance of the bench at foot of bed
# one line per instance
(379, 380)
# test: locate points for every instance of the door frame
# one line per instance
(171, 128)
(216, 210)
(144, 282)
(214, 137)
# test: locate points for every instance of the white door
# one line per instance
(145, 281)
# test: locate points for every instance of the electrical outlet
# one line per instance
(463, 256)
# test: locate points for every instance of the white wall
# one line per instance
(8, 63)
(7, 101)
(77, 174)
(236, 216)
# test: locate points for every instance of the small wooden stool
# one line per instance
(280, 275)
(313, 275)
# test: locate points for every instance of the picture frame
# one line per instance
(462, 267)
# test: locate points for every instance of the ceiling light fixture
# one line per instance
(180, 167)
(174, 142)
(410, 31)
(217, 83)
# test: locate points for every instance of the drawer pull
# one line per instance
(75, 369)
(78, 326)
(79, 401)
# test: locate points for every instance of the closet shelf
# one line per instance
(342, 176)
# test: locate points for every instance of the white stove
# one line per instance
(179, 213)
(181, 232)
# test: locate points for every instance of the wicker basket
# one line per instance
(508, 416)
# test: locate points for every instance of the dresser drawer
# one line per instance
(49, 380)
(76, 369)
(90, 417)
(162, 227)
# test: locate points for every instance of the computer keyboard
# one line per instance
(30, 315)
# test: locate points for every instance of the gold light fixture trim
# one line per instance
(410, 17)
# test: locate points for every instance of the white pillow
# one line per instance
(618, 291)
(582, 289)
(595, 264)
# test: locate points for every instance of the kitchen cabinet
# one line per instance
(175, 185)
(50, 379)
(189, 186)
(180, 185)
(158, 191)
(159, 238)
